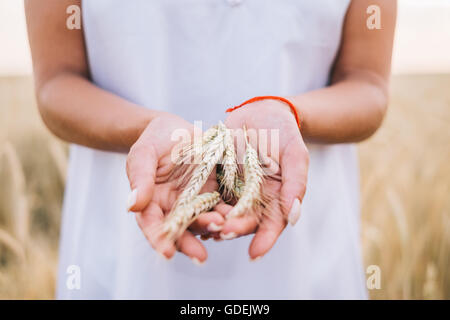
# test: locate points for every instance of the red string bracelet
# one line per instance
(293, 109)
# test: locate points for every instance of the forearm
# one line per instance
(77, 111)
(349, 110)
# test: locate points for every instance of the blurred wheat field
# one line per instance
(405, 171)
(32, 169)
(405, 177)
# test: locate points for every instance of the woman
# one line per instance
(138, 70)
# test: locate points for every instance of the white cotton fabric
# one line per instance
(195, 58)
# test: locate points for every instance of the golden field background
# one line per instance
(405, 166)
(405, 173)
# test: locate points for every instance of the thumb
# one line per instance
(294, 172)
(141, 170)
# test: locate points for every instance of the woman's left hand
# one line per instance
(150, 164)
(287, 185)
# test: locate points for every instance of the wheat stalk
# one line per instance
(229, 163)
(183, 215)
(212, 155)
(196, 149)
(189, 204)
(251, 193)
(11, 243)
(20, 205)
(59, 157)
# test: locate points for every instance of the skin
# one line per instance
(349, 110)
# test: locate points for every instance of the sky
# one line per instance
(422, 42)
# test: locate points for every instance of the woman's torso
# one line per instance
(195, 58)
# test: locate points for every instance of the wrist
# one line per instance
(133, 128)
(303, 112)
(289, 108)
(274, 98)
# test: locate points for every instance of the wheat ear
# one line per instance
(196, 148)
(180, 219)
(184, 165)
(229, 163)
(212, 155)
(253, 179)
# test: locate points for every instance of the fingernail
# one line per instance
(255, 259)
(212, 227)
(197, 262)
(132, 198)
(294, 215)
(163, 256)
(228, 236)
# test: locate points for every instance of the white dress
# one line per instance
(195, 58)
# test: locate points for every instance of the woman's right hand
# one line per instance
(154, 191)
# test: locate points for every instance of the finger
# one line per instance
(207, 222)
(270, 166)
(239, 226)
(294, 170)
(262, 242)
(223, 208)
(141, 168)
(192, 247)
(150, 221)
(268, 232)
(211, 183)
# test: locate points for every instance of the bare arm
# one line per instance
(350, 109)
(77, 111)
(72, 107)
(353, 107)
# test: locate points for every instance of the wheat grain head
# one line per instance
(179, 219)
(229, 163)
(212, 155)
(251, 194)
